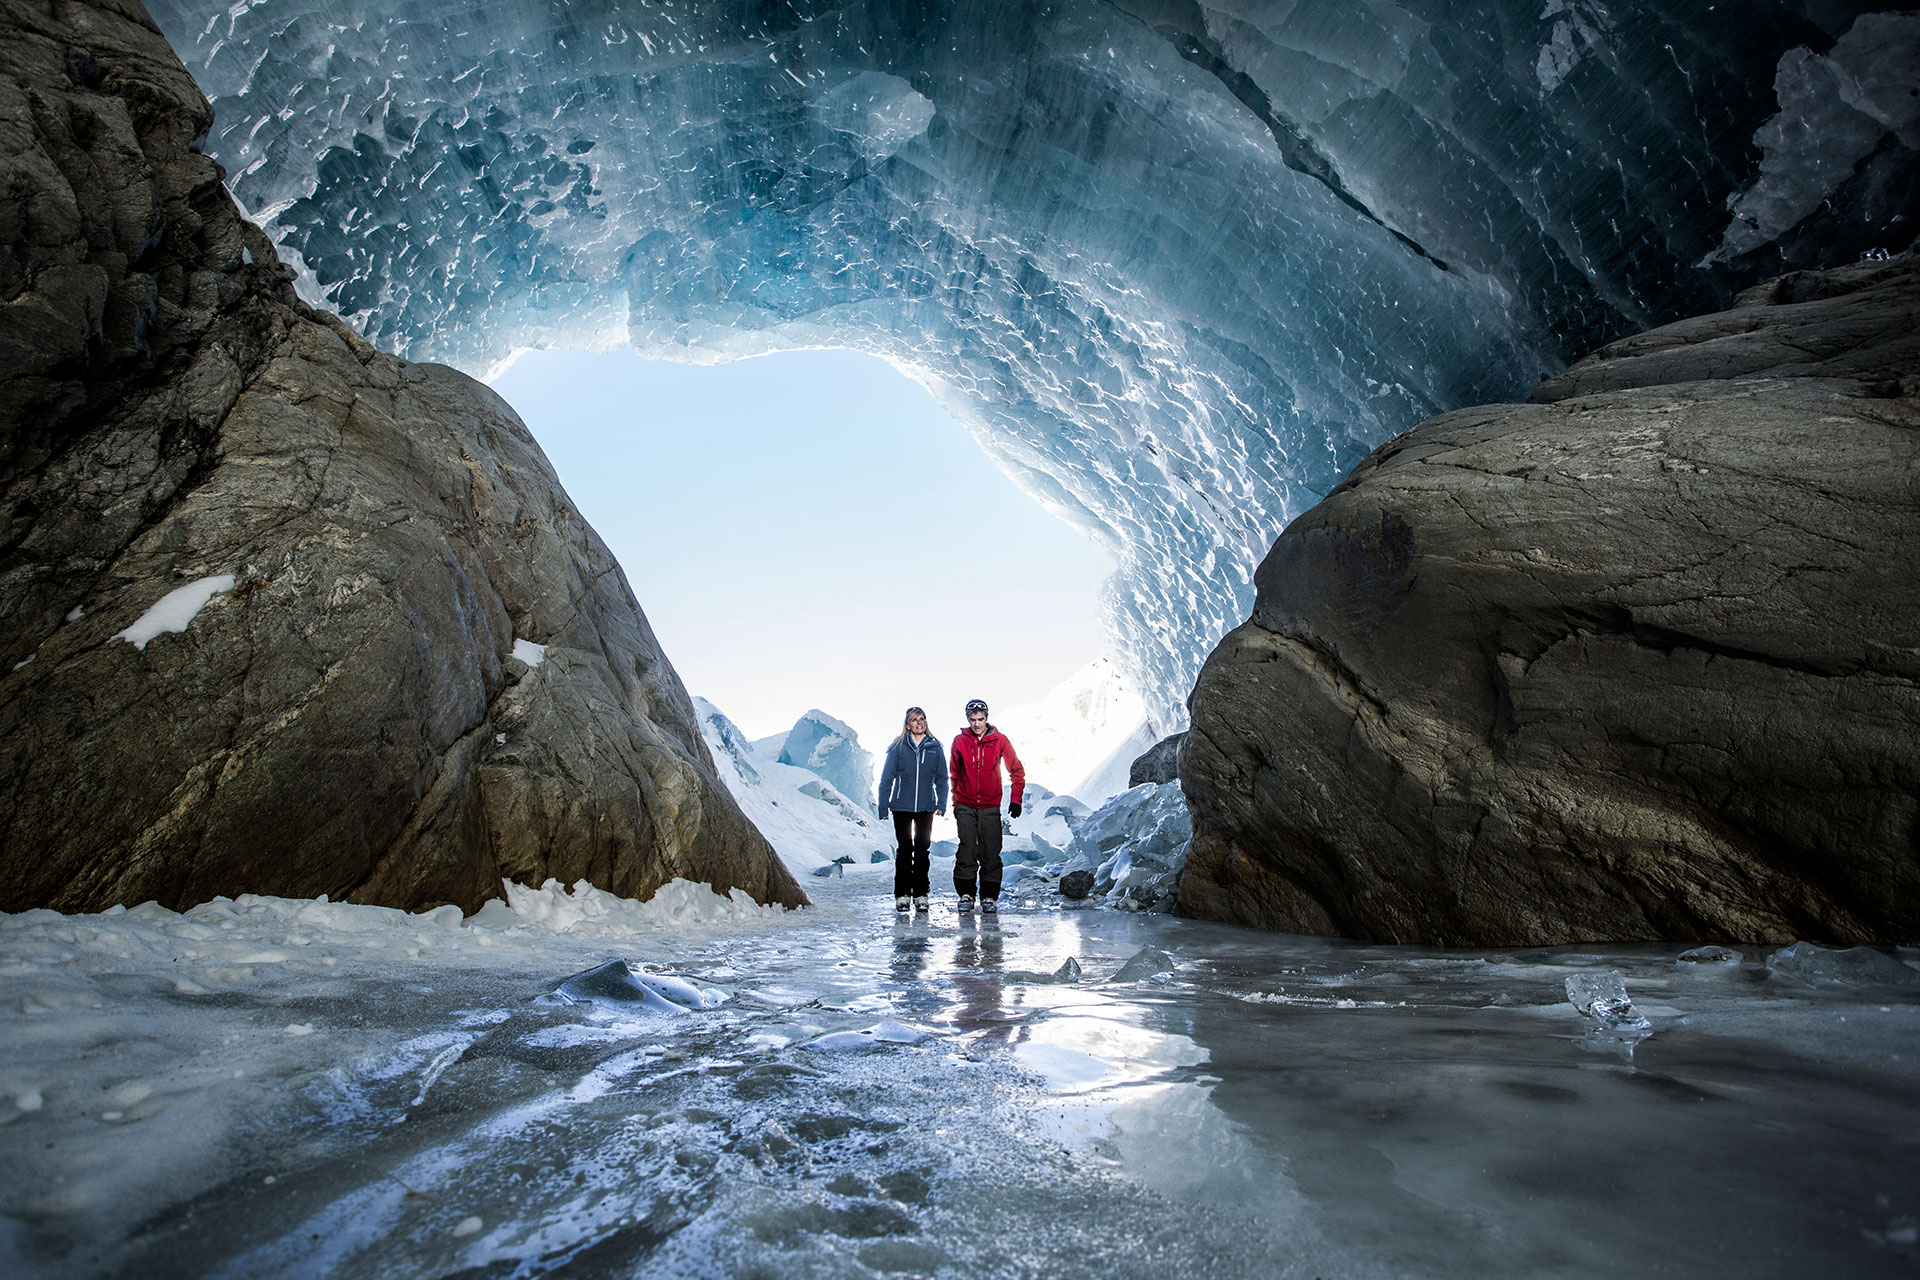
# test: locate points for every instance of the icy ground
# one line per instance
(273, 1088)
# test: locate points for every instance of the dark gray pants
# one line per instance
(979, 853)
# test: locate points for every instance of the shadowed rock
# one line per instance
(413, 669)
(1158, 763)
(1638, 660)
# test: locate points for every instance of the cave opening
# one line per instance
(810, 528)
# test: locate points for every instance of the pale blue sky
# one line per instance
(810, 529)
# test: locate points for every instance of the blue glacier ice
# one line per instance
(1177, 264)
(830, 748)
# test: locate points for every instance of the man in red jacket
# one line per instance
(975, 769)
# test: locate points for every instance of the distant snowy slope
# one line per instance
(1069, 739)
(1109, 778)
(806, 819)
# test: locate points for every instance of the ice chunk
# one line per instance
(617, 982)
(175, 610)
(585, 911)
(1836, 109)
(1136, 845)
(1603, 997)
(1849, 967)
(831, 869)
(1069, 971)
(1148, 964)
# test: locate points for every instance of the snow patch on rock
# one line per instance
(175, 611)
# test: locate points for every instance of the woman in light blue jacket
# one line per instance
(913, 787)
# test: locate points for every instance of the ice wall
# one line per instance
(1178, 266)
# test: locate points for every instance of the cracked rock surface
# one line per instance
(1637, 660)
(350, 711)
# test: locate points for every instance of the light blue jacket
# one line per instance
(914, 779)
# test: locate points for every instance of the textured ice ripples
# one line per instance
(1177, 273)
(1058, 1093)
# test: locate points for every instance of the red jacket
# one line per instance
(975, 767)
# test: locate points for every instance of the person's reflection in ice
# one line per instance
(978, 977)
(912, 949)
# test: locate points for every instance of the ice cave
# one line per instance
(1178, 267)
(1503, 417)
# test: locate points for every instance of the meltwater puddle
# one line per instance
(287, 1089)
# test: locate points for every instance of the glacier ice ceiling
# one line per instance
(1177, 265)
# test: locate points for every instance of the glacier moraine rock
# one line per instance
(404, 668)
(1638, 660)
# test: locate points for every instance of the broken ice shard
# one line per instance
(1603, 997)
(1150, 963)
(615, 982)
(1844, 967)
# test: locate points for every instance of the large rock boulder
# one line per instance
(1158, 763)
(1640, 659)
(390, 663)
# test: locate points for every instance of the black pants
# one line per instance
(979, 851)
(913, 832)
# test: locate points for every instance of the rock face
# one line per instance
(1640, 659)
(1158, 763)
(412, 670)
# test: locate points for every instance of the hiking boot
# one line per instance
(920, 903)
(966, 902)
(903, 905)
(989, 906)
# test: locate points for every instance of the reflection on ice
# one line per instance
(1212, 1101)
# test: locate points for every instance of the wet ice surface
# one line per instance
(843, 1093)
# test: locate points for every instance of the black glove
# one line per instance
(1014, 808)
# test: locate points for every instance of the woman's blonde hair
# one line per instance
(907, 720)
